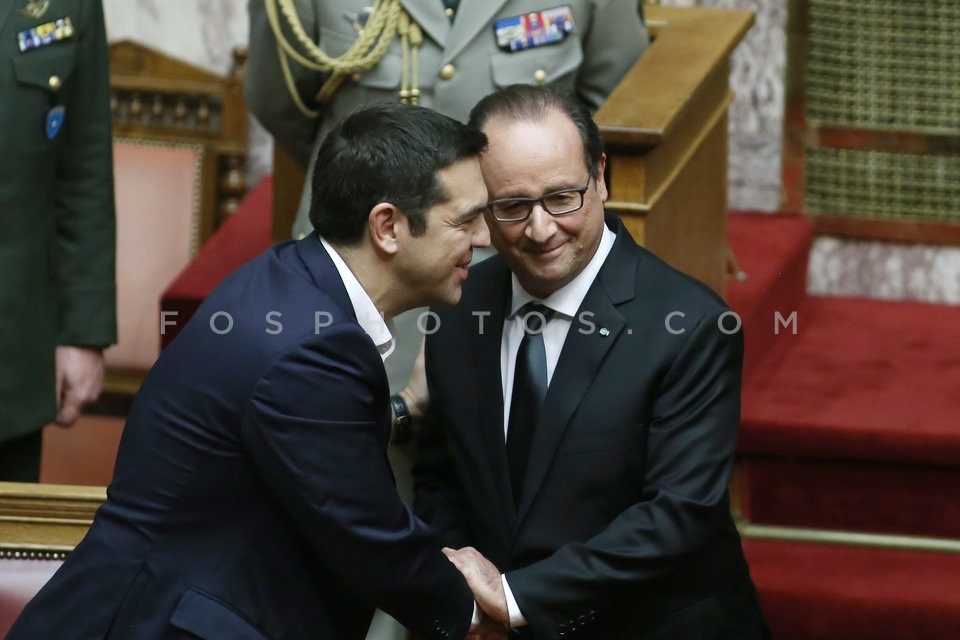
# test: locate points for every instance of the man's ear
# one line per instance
(601, 179)
(387, 225)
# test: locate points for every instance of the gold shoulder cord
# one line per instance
(386, 21)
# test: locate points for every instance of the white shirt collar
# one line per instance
(369, 318)
(567, 299)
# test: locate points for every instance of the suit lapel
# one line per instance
(489, 425)
(472, 17)
(582, 357)
(431, 18)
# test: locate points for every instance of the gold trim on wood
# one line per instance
(41, 519)
(848, 538)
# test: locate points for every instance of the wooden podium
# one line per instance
(665, 128)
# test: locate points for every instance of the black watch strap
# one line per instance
(401, 420)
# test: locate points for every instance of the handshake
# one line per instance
(484, 581)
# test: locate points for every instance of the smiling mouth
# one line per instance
(544, 252)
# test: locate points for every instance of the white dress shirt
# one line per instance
(565, 302)
(369, 318)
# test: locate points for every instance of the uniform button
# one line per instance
(447, 72)
(539, 76)
(449, 12)
(54, 82)
(356, 77)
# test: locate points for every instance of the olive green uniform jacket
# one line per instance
(57, 236)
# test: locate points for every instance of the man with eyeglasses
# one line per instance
(577, 447)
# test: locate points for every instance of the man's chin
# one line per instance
(447, 299)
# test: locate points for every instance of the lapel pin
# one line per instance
(604, 331)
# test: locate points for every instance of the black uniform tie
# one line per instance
(529, 390)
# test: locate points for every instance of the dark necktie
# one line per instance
(529, 390)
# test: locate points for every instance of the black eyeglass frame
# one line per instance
(542, 200)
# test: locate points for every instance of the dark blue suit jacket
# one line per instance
(252, 497)
(623, 530)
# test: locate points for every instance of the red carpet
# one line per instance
(862, 379)
(772, 252)
(852, 424)
(854, 593)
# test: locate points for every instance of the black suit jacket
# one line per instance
(623, 529)
(252, 497)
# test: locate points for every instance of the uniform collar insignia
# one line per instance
(36, 8)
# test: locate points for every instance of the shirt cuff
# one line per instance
(516, 616)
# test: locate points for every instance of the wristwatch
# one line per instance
(401, 431)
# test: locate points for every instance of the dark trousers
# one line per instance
(20, 458)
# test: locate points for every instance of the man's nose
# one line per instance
(540, 224)
(481, 235)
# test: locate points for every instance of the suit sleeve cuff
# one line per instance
(516, 616)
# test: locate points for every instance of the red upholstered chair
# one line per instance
(179, 148)
(39, 526)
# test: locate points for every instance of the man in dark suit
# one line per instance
(57, 291)
(577, 452)
(252, 498)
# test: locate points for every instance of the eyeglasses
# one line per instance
(558, 203)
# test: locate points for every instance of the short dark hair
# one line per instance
(386, 152)
(534, 103)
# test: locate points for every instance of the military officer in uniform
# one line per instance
(57, 293)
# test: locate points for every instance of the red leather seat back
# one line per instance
(20, 580)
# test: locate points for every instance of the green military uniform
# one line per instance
(56, 199)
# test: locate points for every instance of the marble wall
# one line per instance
(757, 77)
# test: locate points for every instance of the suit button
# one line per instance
(539, 76)
(447, 72)
(54, 82)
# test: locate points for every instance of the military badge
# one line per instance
(55, 118)
(45, 34)
(535, 29)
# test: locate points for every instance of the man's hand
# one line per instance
(483, 578)
(488, 629)
(79, 379)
